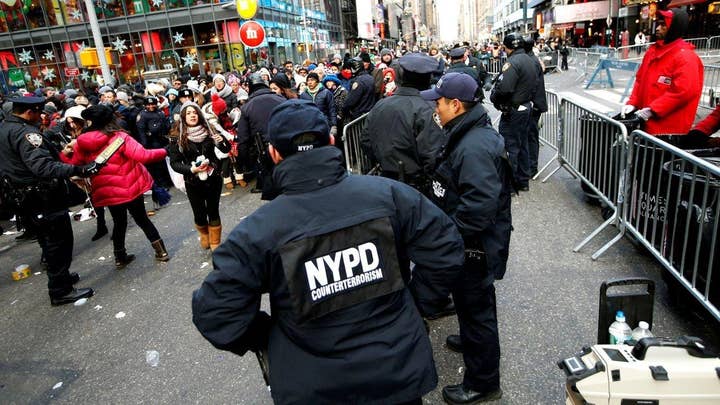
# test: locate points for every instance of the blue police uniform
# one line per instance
(333, 252)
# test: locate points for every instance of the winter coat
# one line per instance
(182, 160)
(324, 100)
(124, 177)
(255, 114)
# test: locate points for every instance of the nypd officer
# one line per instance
(459, 63)
(539, 107)
(333, 253)
(472, 184)
(36, 181)
(401, 134)
(512, 95)
(361, 97)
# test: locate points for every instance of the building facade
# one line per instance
(41, 41)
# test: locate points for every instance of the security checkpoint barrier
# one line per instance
(549, 127)
(356, 161)
(669, 203)
(711, 86)
(494, 66)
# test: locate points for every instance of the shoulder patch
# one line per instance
(355, 85)
(34, 139)
(506, 66)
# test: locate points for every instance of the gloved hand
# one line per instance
(696, 133)
(333, 131)
(87, 170)
(627, 109)
(646, 113)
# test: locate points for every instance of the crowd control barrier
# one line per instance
(711, 86)
(549, 127)
(670, 204)
(356, 160)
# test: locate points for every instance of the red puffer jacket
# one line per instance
(124, 177)
(669, 81)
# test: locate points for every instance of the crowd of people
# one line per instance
(354, 265)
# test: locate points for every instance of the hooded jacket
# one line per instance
(669, 81)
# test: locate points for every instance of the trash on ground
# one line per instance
(80, 302)
(204, 264)
(58, 385)
(97, 307)
(120, 315)
(152, 357)
(101, 258)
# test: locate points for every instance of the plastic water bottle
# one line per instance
(642, 331)
(619, 330)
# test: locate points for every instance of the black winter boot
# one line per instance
(161, 253)
(122, 259)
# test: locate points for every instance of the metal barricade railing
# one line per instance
(631, 51)
(711, 86)
(356, 160)
(713, 46)
(551, 60)
(670, 205)
(549, 127)
(495, 66)
(701, 44)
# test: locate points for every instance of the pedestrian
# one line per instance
(640, 41)
(252, 135)
(36, 185)
(401, 135)
(281, 86)
(222, 89)
(333, 252)
(539, 106)
(472, 184)
(120, 185)
(512, 95)
(564, 52)
(669, 82)
(153, 128)
(323, 98)
(193, 156)
(361, 96)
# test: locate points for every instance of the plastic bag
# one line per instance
(177, 178)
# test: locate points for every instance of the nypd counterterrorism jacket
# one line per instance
(472, 185)
(333, 253)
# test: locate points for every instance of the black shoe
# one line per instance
(72, 296)
(454, 343)
(74, 278)
(101, 231)
(447, 311)
(459, 395)
(524, 188)
(26, 237)
(122, 259)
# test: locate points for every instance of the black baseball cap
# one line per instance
(453, 85)
(291, 120)
(185, 92)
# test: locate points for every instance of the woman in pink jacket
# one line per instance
(120, 184)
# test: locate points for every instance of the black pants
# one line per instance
(136, 208)
(513, 128)
(55, 236)
(474, 298)
(204, 200)
(564, 65)
(533, 141)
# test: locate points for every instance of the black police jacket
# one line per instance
(461, 67)
(539, 98)
(333, 253)
(472, 185)
(361, 97)
(401, 128)
(153, 128)
(255, 115)
(517, 82)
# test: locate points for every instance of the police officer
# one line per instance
(153, 128)
(472, 185)
(252, 136)
(333, 253)
(539, 107)
(459, 63)
(361, 97)
(401, 134)
(512, 95)
(36, 181)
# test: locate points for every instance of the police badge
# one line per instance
(34, 139)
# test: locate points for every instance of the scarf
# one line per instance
(226, 91)
(197, 133)
(313, 93)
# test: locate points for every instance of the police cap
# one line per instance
(297, 125)
(28, 103)
(151, 100)
(418, 63)
(457, 53)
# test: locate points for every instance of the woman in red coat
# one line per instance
(120, 184)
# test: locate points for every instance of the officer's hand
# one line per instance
(627, 109)
(333, 130)
(646, 113)
(87, 170)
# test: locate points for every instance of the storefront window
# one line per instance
(11, 15)
(171, 4)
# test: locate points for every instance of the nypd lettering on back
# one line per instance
(343, 270)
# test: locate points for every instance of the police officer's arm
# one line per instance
(479, 186)
(142, 128)
(40, 161)
(430, 138)
(433, 244)
(353, 98)
(505, 86)
(226, 307)
(366, 141)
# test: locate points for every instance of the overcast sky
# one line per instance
(449, 19)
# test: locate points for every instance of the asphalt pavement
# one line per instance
(97, 352)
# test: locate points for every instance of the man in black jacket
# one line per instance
(333, 252)
(472, 185)
(361, 97)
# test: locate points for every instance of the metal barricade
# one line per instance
(701, 45)
(670, 206)
(495, 66)
(713, 47)
(356, 160)
(549, 127)
(550, 60)
(711, 86)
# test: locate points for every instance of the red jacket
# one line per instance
(711, 123)
(669, 81)
(124, 177)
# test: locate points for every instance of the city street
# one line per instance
(96, 353)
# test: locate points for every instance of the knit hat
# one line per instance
(313, 75)
(386, 51)
(297, 117)
(218, 76)
(201, 117)
(75, 112)
(232, 79)
(70, 93)
(331, 78)
(218, 104)
(81, 100)
(311, 67)
(264, 71)
(281, 80)
(50, 108)
(99, 115)
(365, 57)
(171, 91)
(104, 89)
(122, 96)
(194, 86)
